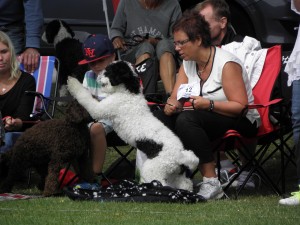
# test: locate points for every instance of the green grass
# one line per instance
(61, 210)
(259, 207)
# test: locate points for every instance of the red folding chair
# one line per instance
(268, 131)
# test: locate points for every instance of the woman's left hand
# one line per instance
(199, 102)
(11, 124)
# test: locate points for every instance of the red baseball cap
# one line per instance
(95, 47)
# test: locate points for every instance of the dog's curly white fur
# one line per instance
(133, 121)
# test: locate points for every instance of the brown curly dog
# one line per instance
(48, 146)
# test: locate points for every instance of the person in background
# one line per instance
(15, 105)
(292, 68)
(23, 22)
(217, 14)
(152, 22)
(220, 88)
(98, 53)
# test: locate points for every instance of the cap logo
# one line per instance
(90, 52)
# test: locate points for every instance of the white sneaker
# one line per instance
(210, 188)
(293, 200)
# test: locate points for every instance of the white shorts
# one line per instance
(107, 125)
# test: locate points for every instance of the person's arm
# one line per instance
(24, 108)
(34, 24)
(118, 27)
(175, 16)
(234, 90)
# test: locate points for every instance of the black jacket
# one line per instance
(231, 36)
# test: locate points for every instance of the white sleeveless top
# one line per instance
(212, 88)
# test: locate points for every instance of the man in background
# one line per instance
(23, 21)
(217, 14)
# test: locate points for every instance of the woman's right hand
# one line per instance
(118, 43)
(172, 106)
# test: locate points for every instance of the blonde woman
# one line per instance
(15, 105)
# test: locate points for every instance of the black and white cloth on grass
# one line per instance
(130, 191)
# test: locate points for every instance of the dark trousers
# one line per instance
(197, 129)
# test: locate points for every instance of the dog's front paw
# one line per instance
(73, 86)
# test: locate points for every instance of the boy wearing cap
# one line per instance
(98, 52)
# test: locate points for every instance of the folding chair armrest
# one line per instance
(155, 101)
(37, 94)
(266, 104)
(43, 98)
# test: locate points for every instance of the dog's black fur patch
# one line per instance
(183, 169)
(121, 73)
(68, 51)
(53, 28)
(149, 147)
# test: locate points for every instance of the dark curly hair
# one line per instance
(195, 26)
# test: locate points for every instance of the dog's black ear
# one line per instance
(52, 30)
(75, 113)
(121, 73)
(68, 28)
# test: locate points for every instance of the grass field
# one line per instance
(246, 210)
(257, 207)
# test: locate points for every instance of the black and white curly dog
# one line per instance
(67, 49)
(48, 146)
(133, 121)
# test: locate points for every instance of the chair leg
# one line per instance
(123, 158)
(286, 157)
(106, 178)
(256, 166)
(29, 178)
(253, 162)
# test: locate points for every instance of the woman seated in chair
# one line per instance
(15, 105)
(219, 91)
